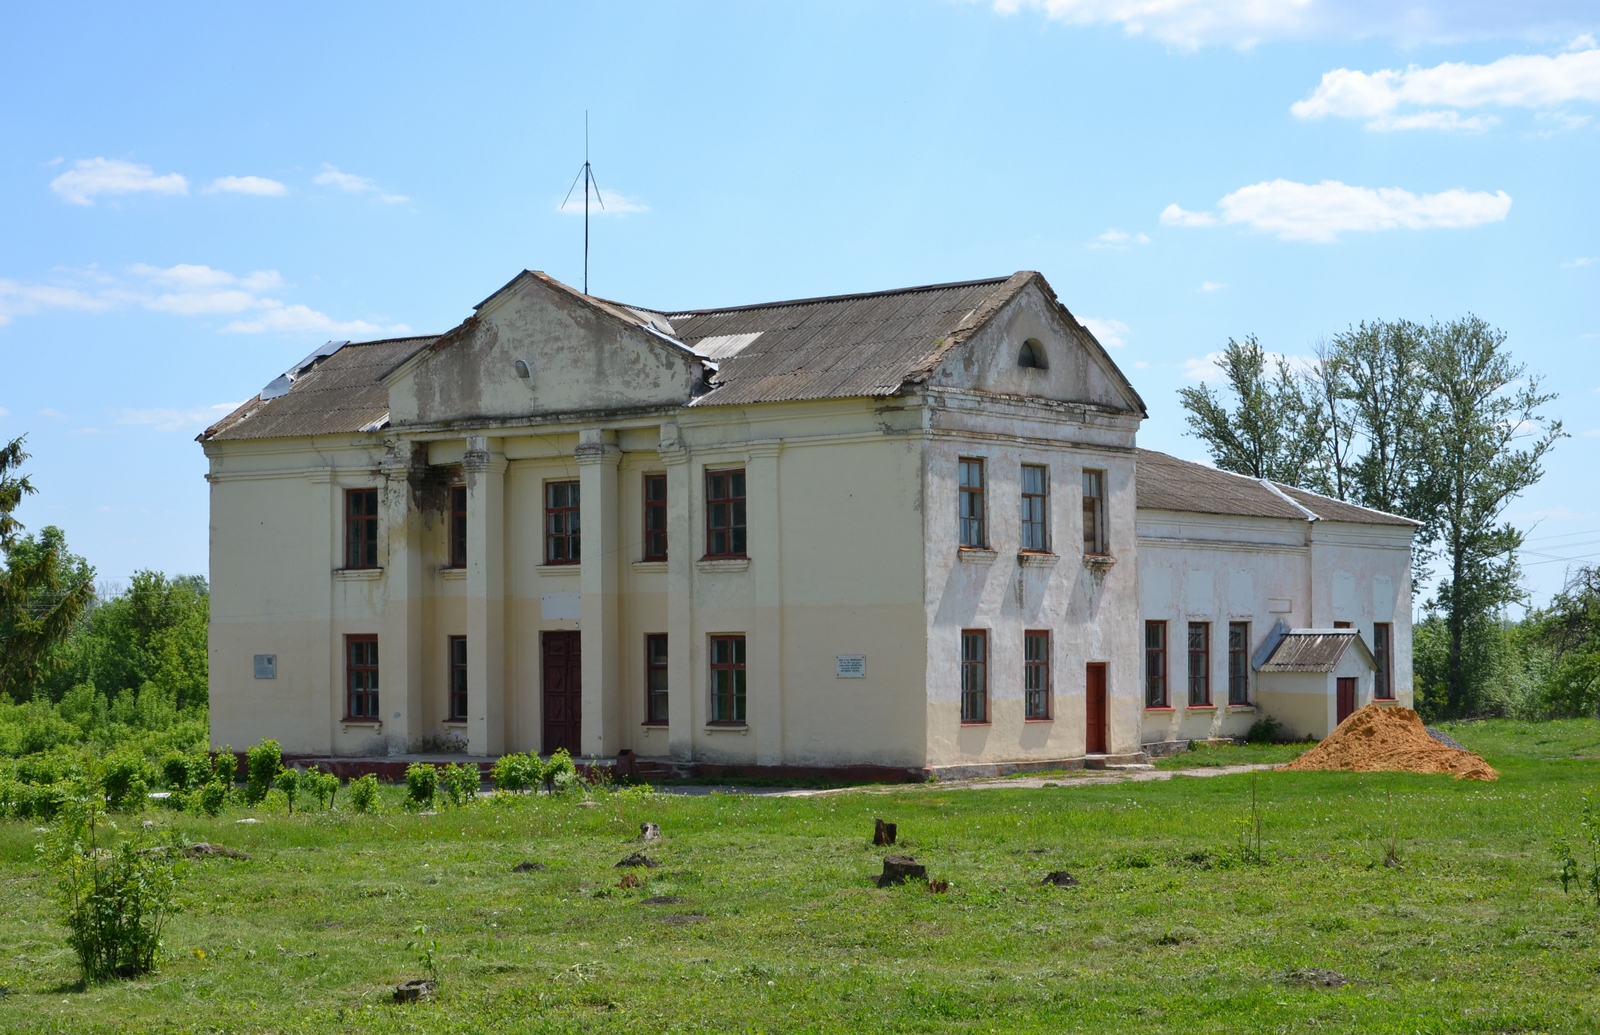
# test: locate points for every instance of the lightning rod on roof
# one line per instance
(586, 174)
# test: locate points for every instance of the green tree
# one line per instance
(1484, 445)
(43, 589)
(149, 640)
(1271, 432)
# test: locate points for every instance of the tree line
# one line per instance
(1434, 422)
(80, 665)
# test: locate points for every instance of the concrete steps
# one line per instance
(1134, 760)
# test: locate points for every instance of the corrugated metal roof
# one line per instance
(846, 345)
(340, 394)
(1314, 650)
(1167, 483)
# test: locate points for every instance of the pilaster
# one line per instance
(400, 644)
(598, 456)
(765, 704)
(324, 556)
(485, 468)
(682, 549)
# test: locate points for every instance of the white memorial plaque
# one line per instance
(850, 666)
(561, 607)
(266, 666)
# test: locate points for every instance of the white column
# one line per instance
(485, 469)
(401, 678)
(683, 546)
(325, 556)
(598, 457)
(764, 646)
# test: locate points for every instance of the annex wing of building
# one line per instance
(902, 529)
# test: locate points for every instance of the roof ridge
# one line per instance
(1347, 503)
(829, 298)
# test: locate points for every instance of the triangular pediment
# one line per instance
(537, 347)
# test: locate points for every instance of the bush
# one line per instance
(364, 794)
(113, 900)
(210, 798)
(262, 764)
(288, 781)
(124, 778)
(322, 786)
(559, 774)
(225, 766)
(1264, 730)
(422, 779)
(517, 772)
(461, 782)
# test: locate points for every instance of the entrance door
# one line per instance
(1095, 709)
(1347, 697)
(563, 690)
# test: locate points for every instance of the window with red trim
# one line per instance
(562, 543)
(361, 677)
(458, 526)
(1382, 653)
(1200, 663)
(727, 679)
(725, 514)
(361, 528)
(1155, 664)
(655, 517)
(1238, 662)
(655, 679)
(974, 675)
(1036, 675)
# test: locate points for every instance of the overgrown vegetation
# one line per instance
(1434, 422)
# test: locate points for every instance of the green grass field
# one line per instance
(780, 929)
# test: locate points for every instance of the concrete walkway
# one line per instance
(1083, 778)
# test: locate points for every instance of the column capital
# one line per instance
(765, 449)
(482, 461)
(597, 453)
(671, 447)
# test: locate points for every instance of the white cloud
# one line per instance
(1244, 23)
(1389, 98)
(1585, 260)
(176, 419)
(90, 177)
(1108, 331)
(53, 414)
(1592, 433)
(1172, 215)
(4, 412)
(1322, 211)
(1208, 368)
(1120, 240)
(186, 289)
(247, 185)
(350, 183)
(610, 203)
(1211, 285)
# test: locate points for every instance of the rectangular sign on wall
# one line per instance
(266, 666)
(850, 666)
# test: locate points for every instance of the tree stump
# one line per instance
(1061, 879)
(883, 833)
(413, 991)
(649, 832)
(897, 869)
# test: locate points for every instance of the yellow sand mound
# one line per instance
(1390, 740)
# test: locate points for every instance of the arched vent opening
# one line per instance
(1033, 356)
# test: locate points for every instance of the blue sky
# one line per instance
(193, 197)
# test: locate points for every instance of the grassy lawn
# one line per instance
(779, 928)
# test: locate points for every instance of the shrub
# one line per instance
(225, 766)
(559, 774)
(113, 900)
(517, 772)
(1264, 730)
(123, 778)
(322, 786)
(364, 794)
(288, 781)
(422, 779)
(461, 782)
(262, 764)
(185, 770)
(210, 798)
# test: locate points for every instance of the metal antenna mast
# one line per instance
(586, 174)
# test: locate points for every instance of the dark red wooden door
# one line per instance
(1095, 709)
(1347, 697)
(563, 690)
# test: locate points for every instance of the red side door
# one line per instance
(1095, 709)
(563, 690)
(1347, 697)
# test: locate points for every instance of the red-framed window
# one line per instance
(1035, 509)
(361, 528)
(655, 517)
(1094, 512)
(727, 679)
(970, 503)
(458, 679)
(562, 543)
(1383, 653)
(655, 679)
(1036, 674)
(1200, 663)
(974, 676)
(1155, 664)
(725, 516)
(458, 526)
(361, 677)
(1238, 662)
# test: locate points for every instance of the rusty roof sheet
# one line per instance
(1167, 483)
(1314, 650)
(341, 393)
(845, 345)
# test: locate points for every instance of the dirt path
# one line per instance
(997, 783)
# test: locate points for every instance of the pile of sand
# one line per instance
(1390, 740)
